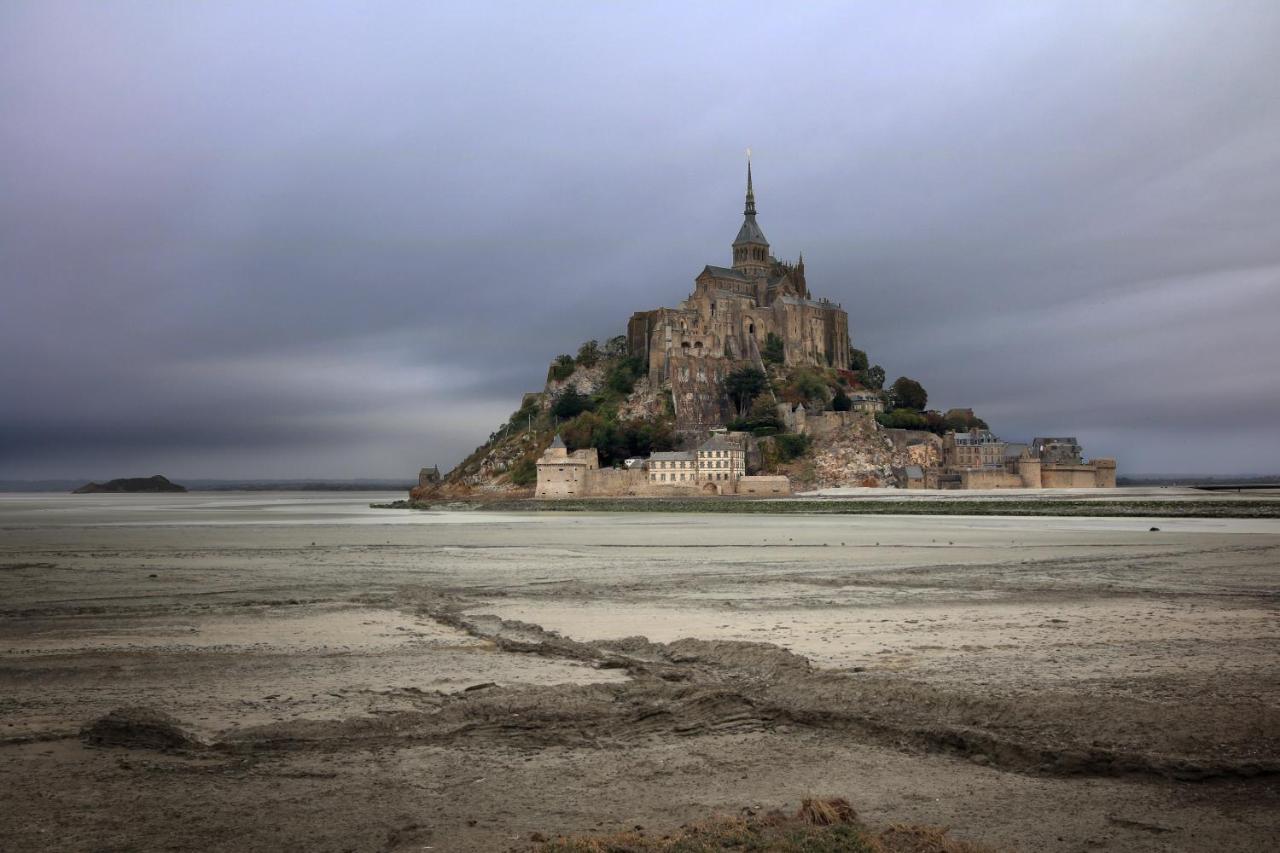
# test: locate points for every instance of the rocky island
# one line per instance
(749, 386)
(156, 483)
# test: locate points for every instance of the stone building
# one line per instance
(716, 467)
(977, 448)
(718, 463)
(728, 319)
(562, 474)
(977, 459)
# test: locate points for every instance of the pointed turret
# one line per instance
(750, 248)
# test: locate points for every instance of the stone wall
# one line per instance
(1097, 474)
(989, 478)
(764, 485)
(823, 425)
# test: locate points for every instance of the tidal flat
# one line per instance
(374, 680)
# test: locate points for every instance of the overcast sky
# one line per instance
(339, 239)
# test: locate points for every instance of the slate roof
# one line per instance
(914, 472)
(557, 441)
(723, 272)
(671, 456)
(750, 233)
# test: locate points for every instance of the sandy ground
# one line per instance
(390, 680)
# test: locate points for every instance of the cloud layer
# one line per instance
(244, 239)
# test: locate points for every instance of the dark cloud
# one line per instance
(243, 238)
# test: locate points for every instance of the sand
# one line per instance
(358, 679)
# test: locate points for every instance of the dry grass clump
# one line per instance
(826, 825)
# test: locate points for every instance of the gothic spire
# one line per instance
(751, 196)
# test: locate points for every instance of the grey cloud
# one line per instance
(235, 237)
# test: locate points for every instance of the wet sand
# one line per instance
(392, 680)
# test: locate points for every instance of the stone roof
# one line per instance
(722, 272)
(557, 441)
(750, 233)
(977, 436)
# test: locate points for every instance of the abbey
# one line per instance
(728, 320)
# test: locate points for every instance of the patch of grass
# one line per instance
(820, 826)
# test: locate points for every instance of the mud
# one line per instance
(187, 677)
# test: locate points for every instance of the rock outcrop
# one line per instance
(157, 483)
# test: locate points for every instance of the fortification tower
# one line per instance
(750, 248)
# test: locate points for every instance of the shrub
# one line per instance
(791, 446)
(775, 351)
(622, 375)
(902, 419)
(524, 472)
(570, 404)
(857, 359)
(589, 354)
(841, 402)
(561, 369)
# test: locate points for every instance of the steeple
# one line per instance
(750, 248)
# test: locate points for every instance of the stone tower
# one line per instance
(750, 248)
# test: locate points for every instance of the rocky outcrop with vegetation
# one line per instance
(602, 398)
(156, 483)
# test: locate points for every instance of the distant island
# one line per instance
(157, 483)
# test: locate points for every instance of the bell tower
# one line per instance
(750, 248)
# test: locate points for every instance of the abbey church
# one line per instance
(727, 320)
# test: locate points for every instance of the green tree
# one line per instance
(616, 347)
(857, 359)
(775, 351)
(873, 377)
(744, 385)
(841, 402)
(561, 369)
(589, 354)
(806, 385)
(907, 393)
(791, 446)
(622, 375)
(570, 404)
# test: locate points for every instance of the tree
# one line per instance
(622, 375)
(806, 385)
(775, 351)
(570, 404)
(616, 347)
(857, 359)
(873, 377)
(743, 385)
(561, 369)
(907, 393)
(589, 353)
(841, 402)
(791, 446)
(902, 419)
